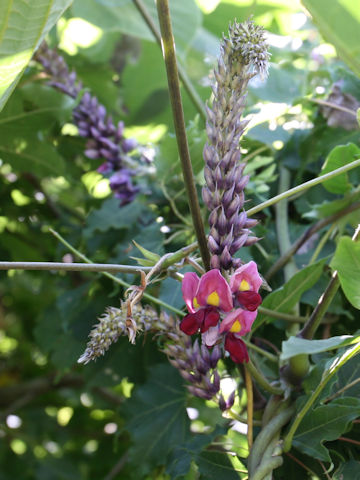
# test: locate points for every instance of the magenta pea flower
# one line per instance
(244, 285)
(205, 298)
(237, 348)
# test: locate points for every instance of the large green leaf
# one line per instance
(347, 263)
(157, 416)
(325, 423)
(338, 157)
(296, 346)
(286, 297)
(339, 23)
(23, 25)
(123, 16)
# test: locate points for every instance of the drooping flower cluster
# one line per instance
(106, 140)
(243, 55)
(195, 363)
(223, 312)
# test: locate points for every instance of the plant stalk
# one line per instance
(303, 187)
(261, 380)
(180, 130)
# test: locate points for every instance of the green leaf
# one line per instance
(325, 423)
(215, 465)
(348, 470)
(123, 16)
(347, 263)
(286, 297)
(338, 157)
(23, 25)
(110, 215)
(179, 461)
(158, 421)
(339, 23)
(295, 346)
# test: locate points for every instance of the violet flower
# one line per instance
(243, 55)
(105, 139)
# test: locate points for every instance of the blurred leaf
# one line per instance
(34, 20)
(295, 346)
(215, 465)
(110, 215)
(179, 461)
(123, 16)
(347, 263)
(286, 297)
(339, 157)
(157, 416)
(282, 86)
(339, 23)
(325, 423)
(348, 470)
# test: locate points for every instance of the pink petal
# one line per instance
(213, 285)
(249, 273)
(237, 348)
(245, 318)
(189, 288)
(191, 323)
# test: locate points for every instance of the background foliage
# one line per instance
(125, 415)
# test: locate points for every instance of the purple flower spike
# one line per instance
(105, 140)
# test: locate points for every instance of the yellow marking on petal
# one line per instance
(196, 303)
(244, 286)
(236, 327)
(213, 299)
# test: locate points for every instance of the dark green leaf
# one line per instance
(347, 263)
(323, 424)
(157, 416)
(348, 471)
(214, 465)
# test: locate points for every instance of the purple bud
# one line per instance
(213, 246)
(222, 403)
(230, 401)
(251, 240)
(225, 258)
(198, 392)
(92, 153)
(209, 179)
(215, 356)
(207, 197)
(238, 243)
(222, 222)
(215, 262)
(128, 144)
(216, 381)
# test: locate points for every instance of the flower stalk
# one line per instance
(179, 124)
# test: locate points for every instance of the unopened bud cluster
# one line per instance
(113, 324)
(243, 55)
(105, 139)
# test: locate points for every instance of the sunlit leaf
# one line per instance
(23, 25)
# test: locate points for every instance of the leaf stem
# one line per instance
(327, 375)
(301, 188)
(325, 300)
(194, 96)
(180, 130)
(284, 259)
(268, 355)
(112, 277)
(261, 380)
(249, 407)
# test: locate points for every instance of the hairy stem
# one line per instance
(180, 130)
(249, 407)
(303, 187)
(113, 278)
